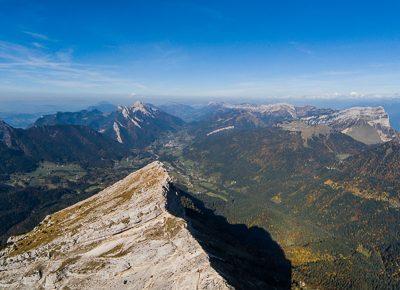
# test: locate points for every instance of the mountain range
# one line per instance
(135, 126)
(282, 196)
(369, 125)
(23, 149)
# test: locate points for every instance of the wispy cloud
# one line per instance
(37, 67)
(38, 45)
(340, 72)
(301, 47)
(36, 35)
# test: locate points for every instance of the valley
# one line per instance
(315, 189)
(199, 145)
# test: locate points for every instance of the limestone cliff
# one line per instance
(123, 237)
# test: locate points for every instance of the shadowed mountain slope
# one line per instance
(142, 232)
(332, 226)
(134, 126)
(23, 149)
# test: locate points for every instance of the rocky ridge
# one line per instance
(371, 120)
(6, 134)
(369, 125)
(123, 237)
(135, 126)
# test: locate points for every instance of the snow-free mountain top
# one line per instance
(135, 114)
(123, 237)
(138, 125)
(278, 109)
(369, 125)
(138, 108)
(373, 115)
(134, 126)
(367, 119)
(265, 109)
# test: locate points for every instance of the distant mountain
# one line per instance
(134, 126)
(185, 112)
(369, 125)
(69, 143)
(12, 157)
(20, 120)
(22, 149)
(7, 135)
(92, 119)
(283, 110)
(139, 125)
(13, 160)
(104, 107)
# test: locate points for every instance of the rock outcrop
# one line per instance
(123, 237)
(369, 125)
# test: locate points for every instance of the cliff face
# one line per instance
(123, 237)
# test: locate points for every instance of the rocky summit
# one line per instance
(123, 237)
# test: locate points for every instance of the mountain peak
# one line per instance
(265, 109)
(6, 134)
(136, 107)
(4, 124)
(139, 106)
(358, 122)
(123, 237)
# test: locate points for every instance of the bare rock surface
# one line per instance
(123, 238)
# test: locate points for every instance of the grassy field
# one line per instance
(50, 175)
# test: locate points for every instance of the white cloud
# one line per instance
(65, 55)
(37, 67)
(36, 35)
(38, 45)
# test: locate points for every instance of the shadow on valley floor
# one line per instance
(248, 258)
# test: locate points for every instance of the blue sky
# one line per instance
(200, 48)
